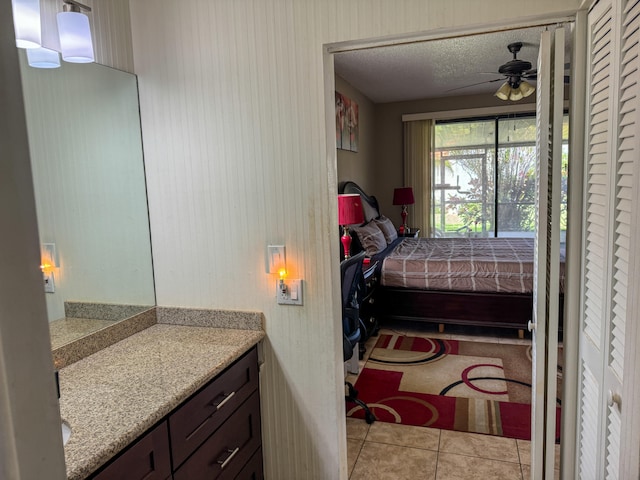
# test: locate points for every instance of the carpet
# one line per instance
(449, 384)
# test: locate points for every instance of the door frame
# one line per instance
(573, 265)
(572, 274)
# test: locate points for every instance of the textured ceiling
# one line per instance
(433, 68)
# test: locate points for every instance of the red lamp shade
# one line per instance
(349, 213)
(403, 196)
(350, 209)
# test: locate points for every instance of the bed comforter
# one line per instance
(462, 264)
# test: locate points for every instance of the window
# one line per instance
(471, 158)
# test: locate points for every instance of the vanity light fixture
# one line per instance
(26, 22)
(43, 58)
(75, 33)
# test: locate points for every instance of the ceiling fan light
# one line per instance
(504, 91)
(516, 94)
(526, 88)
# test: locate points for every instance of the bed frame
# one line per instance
(506, 310)
(502, 310)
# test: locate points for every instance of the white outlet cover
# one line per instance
(293, 285)
(49, 285)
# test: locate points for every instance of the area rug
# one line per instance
(449, 384)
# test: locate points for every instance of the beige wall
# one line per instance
(358, 166)
(237, 125)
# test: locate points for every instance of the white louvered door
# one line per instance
(549, 112)
(612, 128)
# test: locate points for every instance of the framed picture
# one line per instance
(347, 133)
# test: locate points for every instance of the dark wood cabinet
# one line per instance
(224, 454)
(191, 424)
(366, 304)
(215, 434)
(147, 459)
(253, 469)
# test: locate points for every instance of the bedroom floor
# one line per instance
(396, 452)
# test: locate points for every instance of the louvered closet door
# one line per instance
(612, 147)
(549, 112)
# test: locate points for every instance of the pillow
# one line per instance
(371, 238)
(387, 227)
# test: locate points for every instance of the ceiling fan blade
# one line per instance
(474, 84)
(533, 75)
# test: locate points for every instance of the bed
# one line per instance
(463, 281)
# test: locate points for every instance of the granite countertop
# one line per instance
(113, 396)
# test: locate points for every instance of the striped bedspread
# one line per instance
(461, 264)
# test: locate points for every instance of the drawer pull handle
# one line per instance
(225, 400)
(223, 463)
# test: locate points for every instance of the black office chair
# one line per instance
(353, 290)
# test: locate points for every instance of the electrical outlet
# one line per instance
(49, 285)
(289, 291)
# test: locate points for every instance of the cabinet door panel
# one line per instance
(253, 469)
(147, 459)
(200, 416)
(226, 452)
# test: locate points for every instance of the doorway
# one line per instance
(351, 62)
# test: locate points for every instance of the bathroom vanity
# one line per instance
(170, 401)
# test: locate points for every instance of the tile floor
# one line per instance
(396, 452)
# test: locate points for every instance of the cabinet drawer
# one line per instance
(253, 469)
(200, 416)
(146, 459)
(224, 454)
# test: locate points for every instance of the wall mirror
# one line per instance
(87, 163)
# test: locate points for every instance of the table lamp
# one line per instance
(349, 213)
(403, 196)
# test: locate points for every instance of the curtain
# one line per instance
(417, 172)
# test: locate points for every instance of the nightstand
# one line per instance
(413, 233)
(367, 317)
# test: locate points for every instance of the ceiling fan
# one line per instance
(515, 73)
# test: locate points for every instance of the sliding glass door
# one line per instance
(472, 157)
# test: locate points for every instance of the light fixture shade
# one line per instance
(350, 209)
(26, 22)
(75, 37)
(516, 94)
(504, 91)
(43, 58)
(403, 196)
(507, 92)
(526, 88)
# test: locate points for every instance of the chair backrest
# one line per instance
(353, 288)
